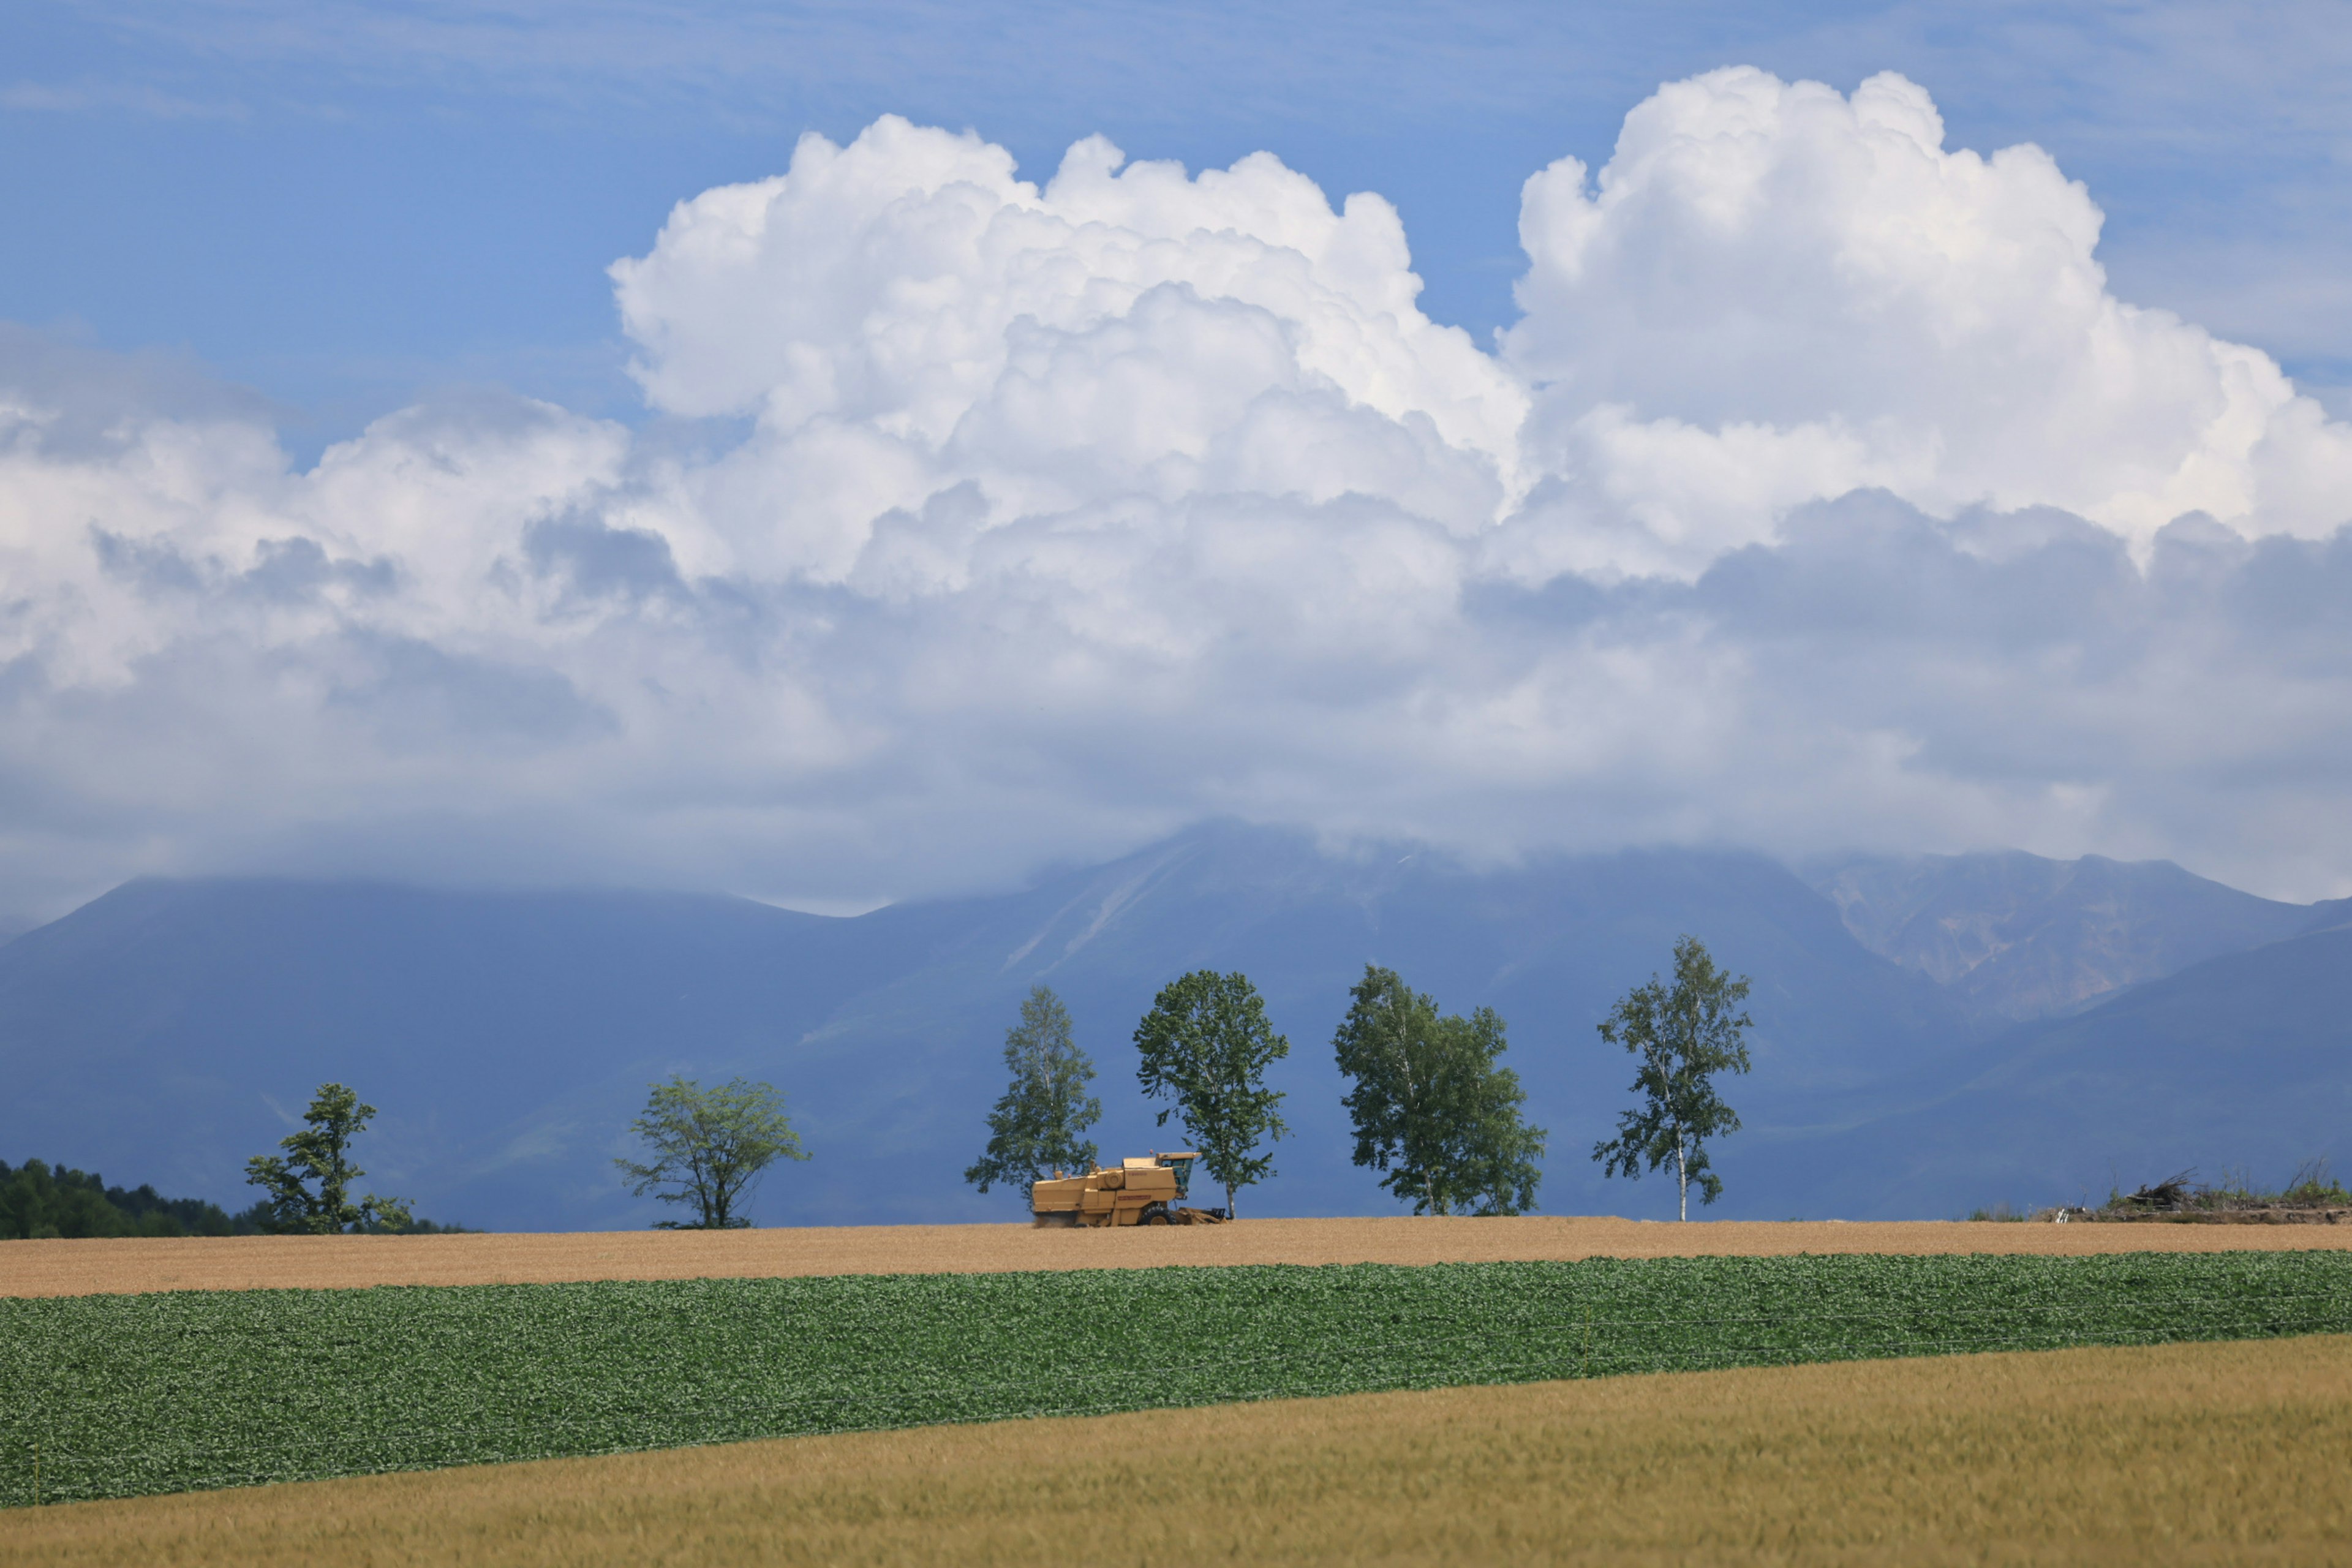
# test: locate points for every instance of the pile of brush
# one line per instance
(2312, 1197)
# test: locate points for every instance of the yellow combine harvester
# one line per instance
(1133, 1192)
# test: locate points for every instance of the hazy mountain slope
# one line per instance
(169, 1030)
(2021, 937)
(1550, 944)
(509, 1038)
(2327, 915)
(2243, 1061)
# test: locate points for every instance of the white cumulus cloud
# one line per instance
(1824, 494)
(1773, 292)
(903, 315)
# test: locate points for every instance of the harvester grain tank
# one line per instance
(1143, 1190)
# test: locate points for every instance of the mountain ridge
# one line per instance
(509, 1036)
(2242, 1062)
(2022, 937)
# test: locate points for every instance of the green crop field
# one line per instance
(116, 1395)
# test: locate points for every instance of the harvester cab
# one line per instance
(1139, 1190)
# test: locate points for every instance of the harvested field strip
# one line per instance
(2174, 1454)
(121, 1266)
(128, 1395)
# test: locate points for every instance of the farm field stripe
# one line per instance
(128, 1394)
(1907, 1462)
(123, 1265)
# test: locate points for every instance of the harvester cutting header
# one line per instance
(1135, 1191)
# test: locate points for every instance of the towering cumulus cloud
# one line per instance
(903, 316)
(1822, 494)
(1773, 293)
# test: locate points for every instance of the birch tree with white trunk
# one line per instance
(1685, 1035)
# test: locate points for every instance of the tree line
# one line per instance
(40, 1200)
(709, 1145)
(1433, 1108)
(307, 1190)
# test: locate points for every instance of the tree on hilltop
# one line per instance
(709, 1146)
(1430, 1107)
(319, 1157)
(1206, 1044)
(1037, 1126)
(1685, 1035)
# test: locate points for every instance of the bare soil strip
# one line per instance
(2207, 1453)
(132, 1265)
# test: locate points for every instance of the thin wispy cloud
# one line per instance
(86, 97)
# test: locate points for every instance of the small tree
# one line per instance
(320, 1153)
(709, 1146)
(1205, 1044)
(1035, 1127)
(1684, 1036)
(1430, 1106)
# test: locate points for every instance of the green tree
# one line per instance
(1035, 1127)
(40, 1200)
(1685, 1035)
(1205, 1045)
(320, 1153)
(1430, 1106)
(709, 1146)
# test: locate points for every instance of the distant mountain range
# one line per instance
(2021, 937)
(1931, 1033)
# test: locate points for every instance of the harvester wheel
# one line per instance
(1156, 1215)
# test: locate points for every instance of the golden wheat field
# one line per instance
(237, 1263)
(2180, 1453)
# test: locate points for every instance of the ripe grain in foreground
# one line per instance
(2176, 1454)
(133, 1264)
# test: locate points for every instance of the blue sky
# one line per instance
(344, 206)
(529, 443)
